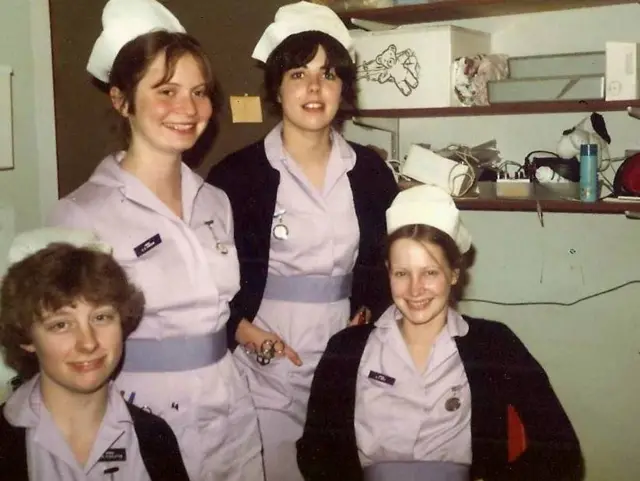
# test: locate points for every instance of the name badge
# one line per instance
(113, 454)
(378, 376)
(147, 245)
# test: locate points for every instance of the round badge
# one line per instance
(222, 248)
(280, 232)
(452, 404)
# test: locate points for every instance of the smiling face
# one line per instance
(169, 116)
(310, 95)
(78, 347)
(421, 279)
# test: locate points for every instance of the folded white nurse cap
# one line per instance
(30, 242)
(122, 21)
(428, 205)
(301, 17)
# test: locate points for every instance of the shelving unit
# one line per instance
(463, 9)
(507, 108)
(447, 10)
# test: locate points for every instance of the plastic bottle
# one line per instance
(589, 172)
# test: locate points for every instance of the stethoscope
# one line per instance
(220, 247)
(280, 231)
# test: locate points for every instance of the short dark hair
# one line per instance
(55, 277)
(134, 58)
(297, 51)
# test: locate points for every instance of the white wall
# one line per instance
(591, 350)
(26, 190)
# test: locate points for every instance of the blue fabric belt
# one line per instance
(309, 289)
(174, 354)
(416, 471)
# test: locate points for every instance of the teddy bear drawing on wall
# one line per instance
(401, 68)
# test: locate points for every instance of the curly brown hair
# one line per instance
(54, 277)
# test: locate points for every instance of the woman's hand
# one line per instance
(363, 316)
(250, 337)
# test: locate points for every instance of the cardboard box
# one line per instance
(574, 64)
(538, 89)
(410, 66)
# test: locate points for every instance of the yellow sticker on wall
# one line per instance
(245, 109)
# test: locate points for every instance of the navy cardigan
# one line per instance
(251, 184)
(501, 372)
(158, 448)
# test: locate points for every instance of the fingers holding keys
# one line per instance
(271, 348)
(264, 345)
(292, 355)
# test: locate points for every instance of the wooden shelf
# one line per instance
(507, 108)
(461, 9)
(530, 205)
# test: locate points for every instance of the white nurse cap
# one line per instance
(301, 17)
(432, 206)
(30, 242)
(122, 21)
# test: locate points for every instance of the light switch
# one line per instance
(245, 109)
(6, 120)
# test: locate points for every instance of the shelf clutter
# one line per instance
(532, 204)
(512, 94)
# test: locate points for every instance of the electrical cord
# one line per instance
(462, 154)
(554, 303)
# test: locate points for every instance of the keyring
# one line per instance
(263, 361)
(278, 347)
(249, 348)
(266, 348)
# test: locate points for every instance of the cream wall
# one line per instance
(31, 186)
(591, 350)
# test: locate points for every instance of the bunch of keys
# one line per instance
(268, 350)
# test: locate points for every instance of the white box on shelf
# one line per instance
(410, 66)
(428, 167)
(622, 67)
(6, 118)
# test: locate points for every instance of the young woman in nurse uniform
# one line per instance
(309, 219)
(66, 307)
(174, 235)
(425, 394)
